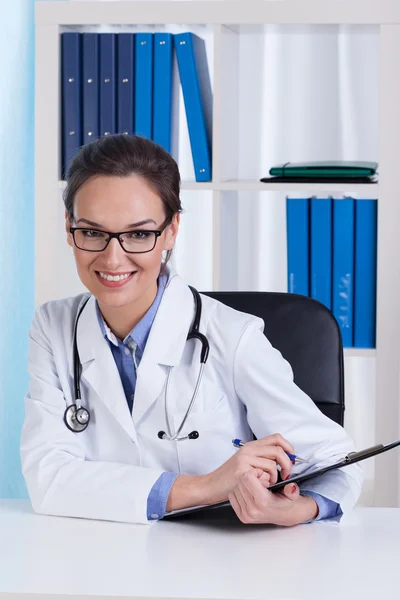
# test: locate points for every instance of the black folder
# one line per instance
(328, 168)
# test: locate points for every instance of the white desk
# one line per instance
(57, 558)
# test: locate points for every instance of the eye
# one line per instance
(92, 233)
(138, 235)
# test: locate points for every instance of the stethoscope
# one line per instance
(77, 417)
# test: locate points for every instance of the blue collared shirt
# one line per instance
(125, 354)
(129, 351)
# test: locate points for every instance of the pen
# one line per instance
(293, 457)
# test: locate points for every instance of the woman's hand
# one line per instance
(263, 454)
(253, 503)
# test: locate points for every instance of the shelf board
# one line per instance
(195, 185)
(368, 190)
(227, 12)
(185, 185)
(360, 352)
(359, 189)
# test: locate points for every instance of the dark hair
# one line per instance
(123, 155)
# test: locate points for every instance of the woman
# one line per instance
(132, 342)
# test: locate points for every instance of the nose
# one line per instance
(114, 255)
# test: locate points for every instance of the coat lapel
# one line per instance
(165, 344)
(99, 370)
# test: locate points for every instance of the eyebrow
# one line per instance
(138, 224)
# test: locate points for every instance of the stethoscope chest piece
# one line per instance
(76, 419)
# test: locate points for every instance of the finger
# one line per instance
(253, 492)
(263, 477)
(277, 457)
(276, 439)
(267, 466)
(258, 472)
(291, 491)
(265, 451)
(252, 508)
(265, 480)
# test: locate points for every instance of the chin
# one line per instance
(113, 297)
(116, 298)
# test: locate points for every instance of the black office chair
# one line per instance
(308, 337)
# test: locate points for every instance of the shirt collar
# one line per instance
(140, 332)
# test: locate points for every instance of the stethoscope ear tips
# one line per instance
(193, 435)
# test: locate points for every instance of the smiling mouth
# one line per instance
(119, 277)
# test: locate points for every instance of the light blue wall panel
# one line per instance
(16, 229)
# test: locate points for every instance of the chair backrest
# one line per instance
(308, 337)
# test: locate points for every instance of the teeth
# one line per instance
(114, 278)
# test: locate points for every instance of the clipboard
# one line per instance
(350, 459)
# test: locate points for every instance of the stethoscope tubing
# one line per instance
(77, 417)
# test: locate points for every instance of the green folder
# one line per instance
(338, 168)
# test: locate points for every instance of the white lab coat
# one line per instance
(107, 471)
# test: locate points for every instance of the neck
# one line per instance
(122, 319)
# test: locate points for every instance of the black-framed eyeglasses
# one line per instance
(136, 241)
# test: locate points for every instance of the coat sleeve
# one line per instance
(264, 383)
(59, 479)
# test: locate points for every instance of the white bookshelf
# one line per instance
(227, 23)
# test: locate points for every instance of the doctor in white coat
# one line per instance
(131, 339)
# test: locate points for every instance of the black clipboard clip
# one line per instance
(363, 453)
(350, 459)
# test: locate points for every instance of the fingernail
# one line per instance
(294, 489)
(287, 477)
